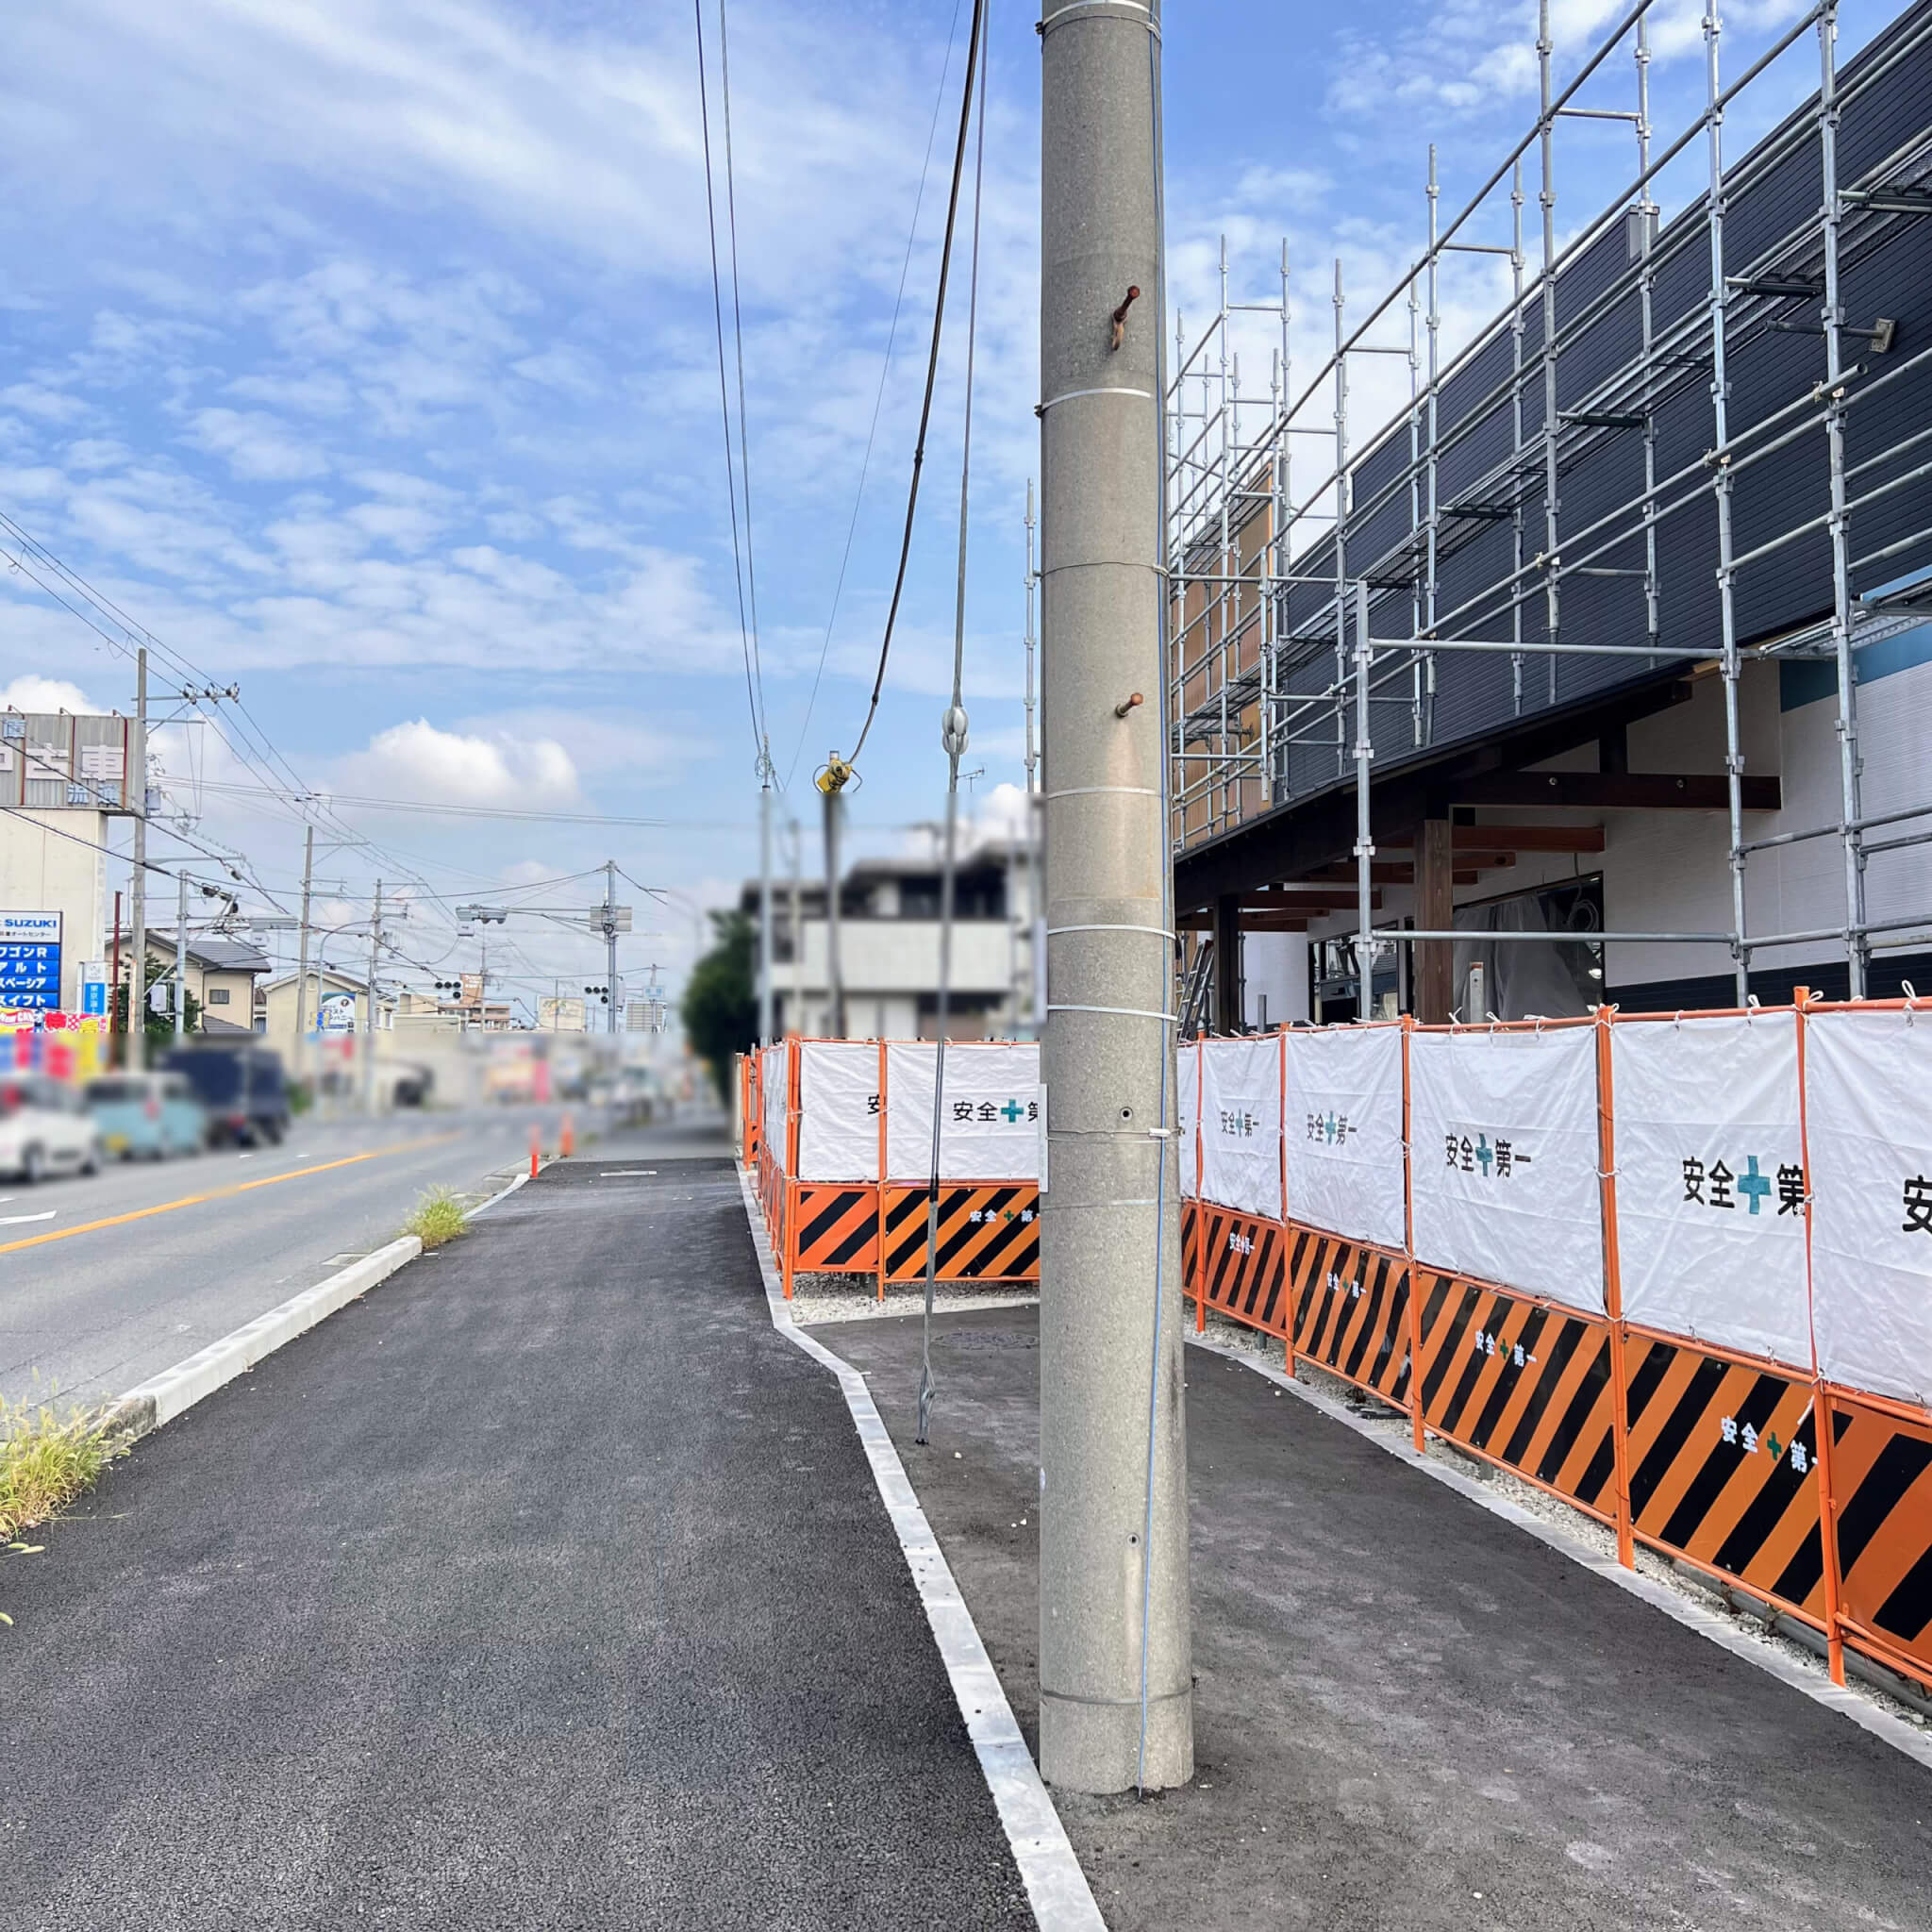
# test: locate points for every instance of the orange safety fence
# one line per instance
(1709, 1446)
(824, 1103)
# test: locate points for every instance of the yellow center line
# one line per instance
(221, 1193)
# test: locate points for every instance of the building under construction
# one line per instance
(1621, 628)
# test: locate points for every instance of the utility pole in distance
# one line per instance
(765, 893)
(135, 784)
(301, 963)
(1116, 1706)
(369, 1017)
(610, 945)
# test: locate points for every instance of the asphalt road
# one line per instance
(546, 1586)
(101, 1307)
(1409, 1716)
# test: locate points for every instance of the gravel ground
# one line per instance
(1384, 1422)
(856, 1297)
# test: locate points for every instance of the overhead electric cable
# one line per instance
(751, 568)
(880, 396)
(932, 367)
(751, 694)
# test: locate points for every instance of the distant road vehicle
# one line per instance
(45, 1130)
(242, 1088)
(147, 1116)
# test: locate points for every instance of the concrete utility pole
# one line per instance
(1116, 1706)
(611, 945)
(369, 1015)
(137, 799)
(797, 927)
(180, 957)
(1035, 839)
(765, 894)
(302, 965)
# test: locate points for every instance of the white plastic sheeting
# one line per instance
(992, 1126)
(1503, 1131)
(1342, 1132)
(772, 1099)
(1710, 1214)
(1187, 1112)
(837, 1110)
(1868, 1124)
(1240, 1125)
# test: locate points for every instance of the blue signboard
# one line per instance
(30, 959)
(93, 997)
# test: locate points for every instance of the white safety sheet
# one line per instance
(839, 1110)
(1503, 1133)
(1341, 1126)
(772, 1099)
(1710, 1185)
(991, 1131)
(1240, 1125)
(1867, 1115)
(1187, 1112)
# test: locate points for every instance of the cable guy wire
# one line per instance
(932, 367)
(751, 571)
(953, 735)
(878, 398)
(751, 696)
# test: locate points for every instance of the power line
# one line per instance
(932, 368)
(878, 399)
(750, 691)
(751, 568)
(473, 811)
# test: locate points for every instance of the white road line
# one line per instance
(1056, 1889)
(1742, 1643)
(15, 1220)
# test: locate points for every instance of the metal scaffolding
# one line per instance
(1320, 609)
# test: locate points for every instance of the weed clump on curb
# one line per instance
(46, 1461)
(438, 1217)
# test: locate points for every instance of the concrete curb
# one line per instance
(1056, 1889)
(162, 1397)
(1746, 1645)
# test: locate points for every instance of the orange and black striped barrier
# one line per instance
(1351, 1311)
(986, 1233)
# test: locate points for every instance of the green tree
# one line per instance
(721, 1001)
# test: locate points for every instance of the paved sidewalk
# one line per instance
(547, 1587)
(1410, 1715)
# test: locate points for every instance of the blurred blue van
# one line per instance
(147, 1116)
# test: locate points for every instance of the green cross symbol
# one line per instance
(1012, 1111)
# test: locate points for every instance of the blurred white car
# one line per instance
(44, 1129)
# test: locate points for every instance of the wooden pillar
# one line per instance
(1435, 911)
(1228, 963)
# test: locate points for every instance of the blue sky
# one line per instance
(363, 351)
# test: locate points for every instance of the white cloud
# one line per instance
(32, 692)
(256, 448)
(418, 760)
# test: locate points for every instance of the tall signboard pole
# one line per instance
(1116, 1706)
